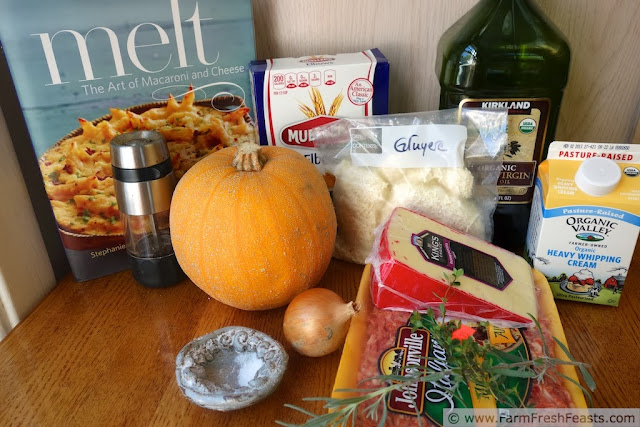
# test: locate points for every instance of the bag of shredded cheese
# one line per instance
(442, 164)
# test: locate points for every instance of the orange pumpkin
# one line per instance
(253, 227)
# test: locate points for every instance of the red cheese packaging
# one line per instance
(384, 341)
(413, 264)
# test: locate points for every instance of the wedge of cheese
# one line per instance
(374, 333)
(413, 255)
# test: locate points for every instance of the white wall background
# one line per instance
(25, 271)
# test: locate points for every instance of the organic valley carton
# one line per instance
(585, 219)
(294, 95)
(87, 71)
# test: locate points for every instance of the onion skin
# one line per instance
(316, 322)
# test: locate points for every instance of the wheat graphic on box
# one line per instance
(318, 105)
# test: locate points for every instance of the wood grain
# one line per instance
(103, 353)
(601, 101)
(607, 338)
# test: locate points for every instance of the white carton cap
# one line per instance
(598, 176)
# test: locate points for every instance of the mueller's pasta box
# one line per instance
(85, 72)
(385, 342)
(294, 95)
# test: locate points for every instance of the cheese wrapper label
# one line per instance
(415, 146)
(414, 253)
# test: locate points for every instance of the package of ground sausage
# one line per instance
(392, 345)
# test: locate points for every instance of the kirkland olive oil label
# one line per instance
(526, 129)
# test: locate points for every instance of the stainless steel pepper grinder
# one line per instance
(144, 182)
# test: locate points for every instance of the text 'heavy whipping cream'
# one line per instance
(585, 219)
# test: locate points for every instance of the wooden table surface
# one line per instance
(103, 353)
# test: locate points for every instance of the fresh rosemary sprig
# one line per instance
(345, 410)
(469, 360)
(456, 273)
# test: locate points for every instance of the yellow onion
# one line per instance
(317, 320)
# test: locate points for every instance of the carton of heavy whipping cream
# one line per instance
(294, 95)
(585, 219)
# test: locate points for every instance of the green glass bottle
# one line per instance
(505, 53)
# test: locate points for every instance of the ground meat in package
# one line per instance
(385, 342)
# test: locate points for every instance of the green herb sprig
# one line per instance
(344, 410)
(469, 360)
(452, 279)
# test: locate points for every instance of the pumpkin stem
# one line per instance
(248, 157)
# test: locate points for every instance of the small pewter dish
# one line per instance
(230, 368)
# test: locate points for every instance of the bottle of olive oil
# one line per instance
(506, 54)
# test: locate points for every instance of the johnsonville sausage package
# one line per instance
(385, 342)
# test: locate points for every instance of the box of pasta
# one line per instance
(292, 96)
(85, 72)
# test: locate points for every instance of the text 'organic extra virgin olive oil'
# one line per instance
(506, 54)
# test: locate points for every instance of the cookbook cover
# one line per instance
(85, 72)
